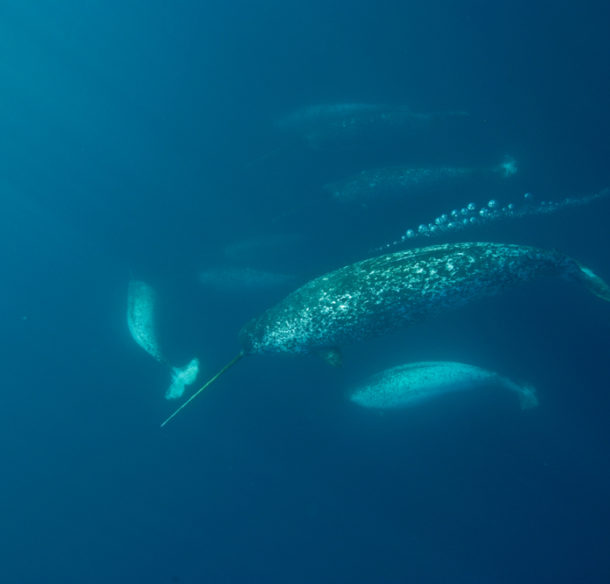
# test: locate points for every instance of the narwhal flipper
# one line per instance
(593, 282)
(332, 356)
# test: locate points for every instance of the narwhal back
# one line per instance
(381, 294)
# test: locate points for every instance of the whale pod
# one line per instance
(413, 383)
(382, 294)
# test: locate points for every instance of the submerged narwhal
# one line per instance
(381, 294)
(409, 181)
(411, 384)
(141, 321)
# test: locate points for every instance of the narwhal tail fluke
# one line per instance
(207, 384)
(528, 398)
(507, 168)
(593, 282)
(181, 377)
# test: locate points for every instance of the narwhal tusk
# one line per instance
(207, 384)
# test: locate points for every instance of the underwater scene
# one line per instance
(305, 292)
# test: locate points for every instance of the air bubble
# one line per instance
(467, 216)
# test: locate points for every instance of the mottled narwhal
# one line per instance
(410, 181)
(326, 124)
(231, 279)
(381, 294)
(141, 321)
(411, 384)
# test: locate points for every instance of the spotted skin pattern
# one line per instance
(399, 180)
(413, 383)
(382, 294)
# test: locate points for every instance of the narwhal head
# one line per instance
(269, 334)
(247, 338)
(256, 337)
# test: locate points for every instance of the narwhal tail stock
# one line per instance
(593, 282)
(208, 383)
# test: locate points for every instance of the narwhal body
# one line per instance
(411, 384)
(141, 321)
(382, 294)
(332, 124)
(410, 181)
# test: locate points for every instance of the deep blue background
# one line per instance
(138, 139)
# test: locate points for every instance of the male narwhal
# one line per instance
(381, 294)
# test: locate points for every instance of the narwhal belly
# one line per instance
(382, 294)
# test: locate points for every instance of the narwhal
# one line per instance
(141, 321)
(411, 384)
(378, 295)
(409, 181)
(324, 124)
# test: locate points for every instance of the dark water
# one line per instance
(137, 139)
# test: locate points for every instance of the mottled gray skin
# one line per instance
(382, 294)
(320, 124)
(393, 181)
(413, 383)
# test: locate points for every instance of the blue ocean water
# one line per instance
(139, 140)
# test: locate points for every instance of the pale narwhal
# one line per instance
(411, 384)
(385, 293)
(409, 181)
(141, 321)
(339, 123)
